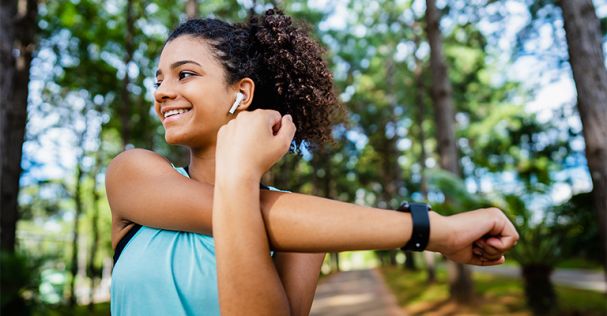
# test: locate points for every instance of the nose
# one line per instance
(164, 92)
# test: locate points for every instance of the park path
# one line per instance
(575, 278)
(354, 293)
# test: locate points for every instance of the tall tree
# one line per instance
(421, 115)
(191, 9)
(76, 234)
(91, 270)
(17, 43)
(461, 285)
(125, 116)
(587, 59)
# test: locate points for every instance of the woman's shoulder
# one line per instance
(137, 160)
(138, 156)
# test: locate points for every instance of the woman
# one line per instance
(211, 76)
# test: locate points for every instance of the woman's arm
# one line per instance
(299, 274)
(247, 279)
(143, 188)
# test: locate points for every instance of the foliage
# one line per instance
(570, 230)
(575, 219)
(542, 245)
(87, 89)
(20, 276)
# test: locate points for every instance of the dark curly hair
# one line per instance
(285, 63)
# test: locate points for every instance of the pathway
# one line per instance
(354, 293)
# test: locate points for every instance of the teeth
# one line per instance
(174, 112)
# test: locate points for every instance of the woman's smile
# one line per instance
(171, 115)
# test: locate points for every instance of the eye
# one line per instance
(157, 84)
(183, 75)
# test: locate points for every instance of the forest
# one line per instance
(460, 104)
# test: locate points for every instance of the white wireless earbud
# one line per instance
(239, 97)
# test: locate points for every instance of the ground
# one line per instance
(497, 296)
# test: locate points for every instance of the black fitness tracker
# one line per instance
(421, 225)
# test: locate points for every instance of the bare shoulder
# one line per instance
(123, 180)
(135, 160)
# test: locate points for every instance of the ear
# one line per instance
(245, 86)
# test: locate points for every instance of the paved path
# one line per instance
(354, 293)
(576, 278)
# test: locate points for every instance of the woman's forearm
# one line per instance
(304, 223)
(246, 277)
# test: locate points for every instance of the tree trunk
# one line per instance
(92, 271)
(461, 285)
(334, 261)
(125, 110)
(409, 261)
(587, 61)
(393, 173)
(421, 115)
(191, 9)
(19, 27)
(429, 258)
(539, 291)
(74, 264)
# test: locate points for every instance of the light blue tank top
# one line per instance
(163, 272)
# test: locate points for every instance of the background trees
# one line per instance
(414, 108)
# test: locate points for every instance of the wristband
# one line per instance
(420, 234)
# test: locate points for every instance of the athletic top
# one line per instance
(163, 272)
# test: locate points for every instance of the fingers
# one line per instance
(273, 117)
(489, 248)
(288, 128)
(283, 128)
(478, 261)
(501, 237)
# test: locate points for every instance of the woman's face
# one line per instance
(192, 99)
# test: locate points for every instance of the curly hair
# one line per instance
(284, 62)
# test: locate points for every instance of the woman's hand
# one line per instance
(253, 142)
(478, 237)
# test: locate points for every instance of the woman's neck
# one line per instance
(202, 165)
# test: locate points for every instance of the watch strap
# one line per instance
(421, 225)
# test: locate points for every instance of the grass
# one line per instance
(497, 296)
(101, 309)
(579, 263)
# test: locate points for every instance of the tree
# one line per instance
(461, 285)
(586, 56)
(125, 96)
(421, 116)
(538, 254)
(191, 9)
(14, 79)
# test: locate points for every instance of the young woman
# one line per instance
(239, 96)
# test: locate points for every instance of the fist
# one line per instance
(253, 142)
(479, 237)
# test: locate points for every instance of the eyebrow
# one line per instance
(177, 64)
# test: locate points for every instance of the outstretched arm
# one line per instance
(142, 187)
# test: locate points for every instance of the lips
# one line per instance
(174, 114)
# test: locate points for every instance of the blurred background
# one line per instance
(461, 104)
